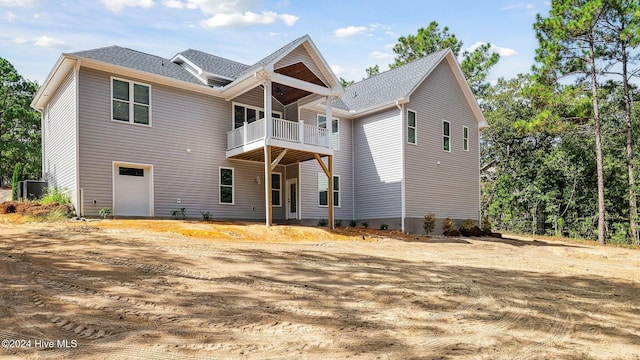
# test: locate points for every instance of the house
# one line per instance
(145, 136)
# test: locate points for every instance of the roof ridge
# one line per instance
(213, 55)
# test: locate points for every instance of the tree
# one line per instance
(372, 70)
(19, 124)
(346, 82)
(475, 64)
(15, 179)
(620, 26)
(569, 44)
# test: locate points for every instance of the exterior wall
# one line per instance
(180, 120)
(59, 139)
(446, 184)
(255, 97)
(377, 164)
(342, 166)
(291, 112)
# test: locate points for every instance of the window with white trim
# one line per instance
(465, 138)
(411, 127)
(276, 189)
(335, 126)
(323, 190)
(130, 102)
(226, 183)
(446, 135)
(248, 113)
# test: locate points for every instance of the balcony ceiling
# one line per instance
(292, 156)
(286, 94)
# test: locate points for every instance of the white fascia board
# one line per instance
(180, 57)
(60, 70)
(337, 83)
(143, 75)
(379, 107)
(302, 85)
(462, 82)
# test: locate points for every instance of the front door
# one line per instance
(292, 199)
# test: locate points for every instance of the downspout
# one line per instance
(402, 182)
(353, 175)
(76, 81)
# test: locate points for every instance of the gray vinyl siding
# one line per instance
(450, 188)
(300, 54)
(291, 112)
(255, 97)
(181, 120)
(377, 164)
(60, 140)
(342, 166)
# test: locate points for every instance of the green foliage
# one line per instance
(337, 223)
(372, 71)
(17, 177)
(55, 195)
(429, 223)
(365, 224)
(620, 234)
(345, 82)
(104, 212)
(468, 224)
(323, 222)
(352, 223)
(475, 64)
(179, 213)
(19, 124)
(384, 227)
(206, 216)
(486, 225)
(448, 225)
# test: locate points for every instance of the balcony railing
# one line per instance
(281, 129)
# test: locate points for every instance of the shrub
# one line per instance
(55, 195)
(8, 207)
(205, 215)
(486, 225)
(353, 223)
(337, 223)
(384, 227)
(365, 224)
(17, 176)
(448, 224)
(429, 223)
(323, 222)
(104, 212)
(179, 213)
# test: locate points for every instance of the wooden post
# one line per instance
(331, 222)
(267, 184)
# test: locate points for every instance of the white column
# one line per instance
(329, 115)
(267, 109)
(301, 131)
(267, 151)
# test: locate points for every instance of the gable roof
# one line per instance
(138, 60)
(389, 86)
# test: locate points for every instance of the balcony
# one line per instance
(247, 142)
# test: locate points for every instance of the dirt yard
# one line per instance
(140, 290)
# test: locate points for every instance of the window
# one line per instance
(465, 138)
(226, 186)
(323, 190)
(130, 102)
(446, 136)
(411, 127)
(242, 113)
(126, 171)
(322, 123)
(276, 192)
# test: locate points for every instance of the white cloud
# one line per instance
(10, 16)
(17, 3)
(174, 4)
(19, 40)
(502, 51)
(231, 13)
(337, 69)
(380, 55)
(119, 5)
(37, 16)
(47, 41)
(350, 31)
(519, 6)
(389, 46)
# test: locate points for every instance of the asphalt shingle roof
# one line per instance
(133, 59)
(215, 64)
(389, 86)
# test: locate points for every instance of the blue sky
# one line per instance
(352, 35)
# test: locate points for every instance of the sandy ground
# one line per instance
(113, 291)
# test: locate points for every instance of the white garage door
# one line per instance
(132, 190)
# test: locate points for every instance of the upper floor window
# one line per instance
(335, 135)
(446, 136)
(411, 127)
(465, 138)
(242, 113)
(130, 102)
